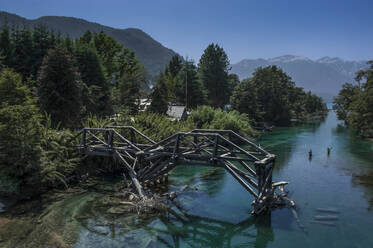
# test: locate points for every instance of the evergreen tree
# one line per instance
(131, 76)
(6, 47)
(195, 90)
(23, 61)
(19, 129)
(233, 81)
(271, 96)
(213, 72)
(86, 38)
(174, 66)
(159, 96)
(108, 50)
(97, 95)
(273, 87)
(41, 43)
(244, 99)
(59, 88)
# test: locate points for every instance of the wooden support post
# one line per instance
(110, 139)
(132, 174)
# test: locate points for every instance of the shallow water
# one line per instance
(214, 210)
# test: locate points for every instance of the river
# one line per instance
(214, 211)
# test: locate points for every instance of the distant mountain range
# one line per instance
(324, 76)
(153, 55)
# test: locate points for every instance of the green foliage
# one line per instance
(157, 127)
(94, 121)
(30, 153)
(354, 103)
(206, 117)
(58, 157)
(96, 92)
(159, 96)
(213, 72)
(12, 92)
(6, 46)
(233, 81)
(19, 129)
(244, 100)
(196, 93)
(131, 76)
(23, 61)
(174, 66)
(60, 88)
(43, 40)
(19, 139)
(108, 49)
(270, 96)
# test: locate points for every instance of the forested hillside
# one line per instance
(153, 55)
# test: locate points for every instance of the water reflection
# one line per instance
(283, 141)
(195, 231)
(178, 228)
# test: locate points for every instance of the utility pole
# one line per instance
(186, 85)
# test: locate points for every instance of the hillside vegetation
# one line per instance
(153, 55)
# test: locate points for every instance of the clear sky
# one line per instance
(245, 29)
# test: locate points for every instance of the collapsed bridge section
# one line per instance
(145, 160)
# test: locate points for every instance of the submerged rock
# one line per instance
(2, 207)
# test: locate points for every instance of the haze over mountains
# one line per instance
(153, 55)
(324, 76)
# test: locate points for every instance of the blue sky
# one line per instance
(245, 29)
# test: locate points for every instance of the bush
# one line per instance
(158, 127)
(206, 117)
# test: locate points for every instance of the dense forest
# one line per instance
(354, 103)
(51, 86)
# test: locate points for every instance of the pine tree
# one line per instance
(23, 61)
(108, 50)
(213, 72)
(196, 93)
(174, 66)
(59, 88)
(159, 96)
(97, 96)
(6, 47)
(131, 76)
(41, 44)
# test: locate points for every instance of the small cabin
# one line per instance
(177, 113)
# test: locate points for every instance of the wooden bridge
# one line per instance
(145, 160)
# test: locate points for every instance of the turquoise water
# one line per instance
(214, 210)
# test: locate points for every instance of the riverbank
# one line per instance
(213, 200)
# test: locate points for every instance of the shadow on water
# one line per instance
(176, 228)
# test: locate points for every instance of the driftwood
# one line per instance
(148, 163)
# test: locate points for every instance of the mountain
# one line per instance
(324, 76)
(153, 55)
